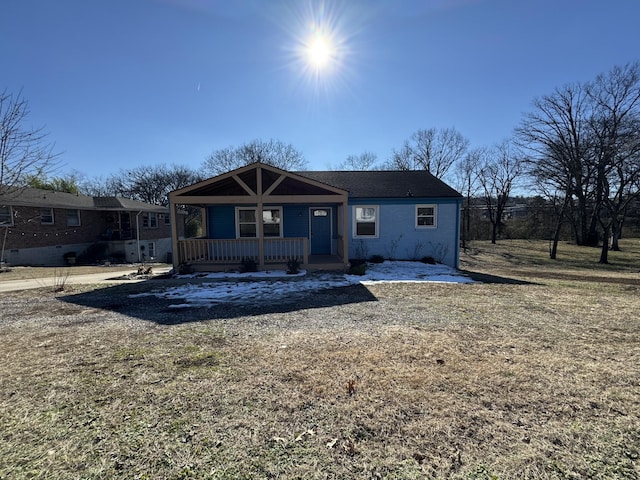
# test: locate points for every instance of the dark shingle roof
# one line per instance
(385, 184)
(34, 197)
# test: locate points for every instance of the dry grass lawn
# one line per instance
(535, 375)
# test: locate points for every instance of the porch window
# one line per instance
(247, 226)
(365, 221)
(73, 218)
(6, 216)
(271, 222)
(46, 216)
(426, 216)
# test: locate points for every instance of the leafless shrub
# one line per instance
(60, 280)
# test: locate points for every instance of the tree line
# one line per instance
(577, 149)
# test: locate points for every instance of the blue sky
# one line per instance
(122, 83)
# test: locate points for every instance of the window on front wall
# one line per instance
(46, 216)
(271, 222)
(365, 221)
(73, 218)
(6, 216)
(247, 226)
(426, 216)
(149, 220)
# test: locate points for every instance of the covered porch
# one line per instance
(265, 214)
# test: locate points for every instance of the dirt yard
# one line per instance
(531, 374)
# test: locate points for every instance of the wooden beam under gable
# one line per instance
(243, 185)
(275, 184)
(213, 180)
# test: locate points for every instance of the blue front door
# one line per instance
(320, 231)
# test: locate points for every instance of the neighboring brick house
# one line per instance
(42, 227)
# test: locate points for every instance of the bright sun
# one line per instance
(319, 52)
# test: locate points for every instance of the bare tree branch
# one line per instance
(24, 151)
(435, 151)
(363, 161)
(272, 152)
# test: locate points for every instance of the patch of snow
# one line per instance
(269, 286)
(402, 271)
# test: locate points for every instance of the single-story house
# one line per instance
(323, 219)
(43, 227)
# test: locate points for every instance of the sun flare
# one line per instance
(319, 52)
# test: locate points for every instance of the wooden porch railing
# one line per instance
(226, 251)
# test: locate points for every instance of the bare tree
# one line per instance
(94, 186)
(432, 150)
(150, 183)
(583, 143)
(402, 159)
(272, 152)
(24, 151)
(363, 161)
(615, 128)
(556, 137)
(497, 176)
(466, 182)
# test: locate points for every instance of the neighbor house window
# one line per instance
(426, 216)
(365, 221)
(46, 216)
(73, 218)
(6, 216)
(152, 250)
(167, 219)
(247, 225)
(149, 220)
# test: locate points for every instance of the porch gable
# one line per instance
(261, 187)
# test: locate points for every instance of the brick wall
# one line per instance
(30, 242)
(29, 232)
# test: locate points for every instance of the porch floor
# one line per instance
(324, 262)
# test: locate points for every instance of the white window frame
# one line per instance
(8, 216)
(355, 222)
(255, 210)
(149, 220)
(42, 215)
(77, 216)
(435, 215)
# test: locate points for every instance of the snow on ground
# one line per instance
(396, 271)
(269, 286)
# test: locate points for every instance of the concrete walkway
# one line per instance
(82, 279)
